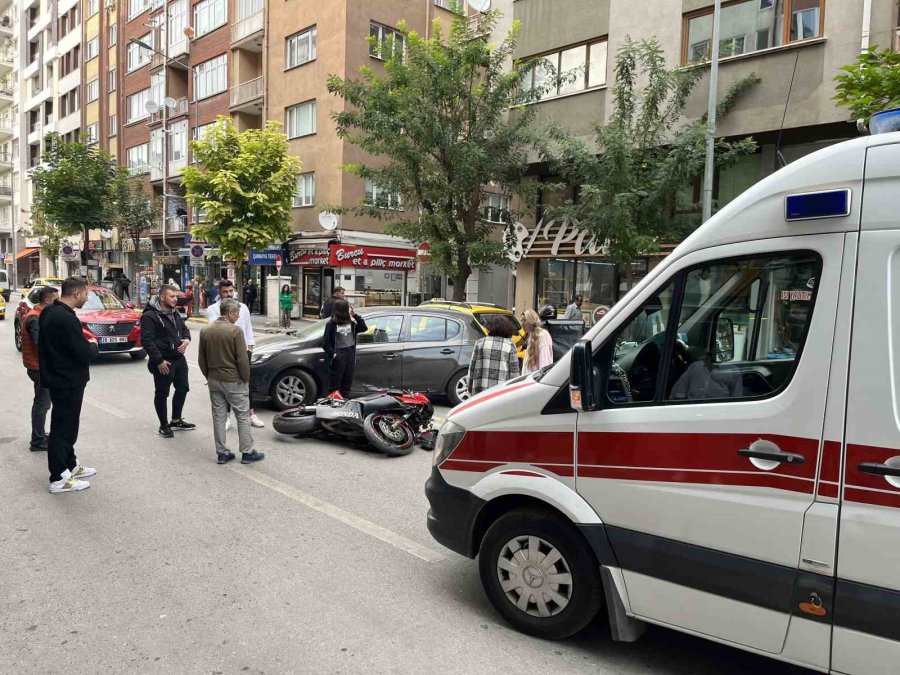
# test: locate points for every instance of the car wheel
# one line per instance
(138, 356)
(458, 389)
(540, 574)
(292, 388)
(17, 332)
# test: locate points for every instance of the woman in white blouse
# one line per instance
(539, 352)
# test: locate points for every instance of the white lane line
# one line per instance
(115, 412)
(339, 514)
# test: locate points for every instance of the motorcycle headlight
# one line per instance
(261, 357)
(448, 439)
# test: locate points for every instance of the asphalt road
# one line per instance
(315, 560)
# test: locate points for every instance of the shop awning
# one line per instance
(25, 252)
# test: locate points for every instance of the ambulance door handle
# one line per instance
(773, 455)
(878, 469)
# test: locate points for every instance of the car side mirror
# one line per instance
(724, 340)
(582, 391)
(129, 305)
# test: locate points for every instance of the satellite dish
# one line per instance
(151, 107)
(328, 220)
(169, 102)
(480, 5)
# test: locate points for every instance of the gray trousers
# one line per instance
(236, 395)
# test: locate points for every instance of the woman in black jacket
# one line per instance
(340, 346)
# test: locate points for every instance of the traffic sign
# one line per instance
(69, 253)
(278, 263)
(197, 251)
(423, 253)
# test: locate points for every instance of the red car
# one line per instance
(113, 324)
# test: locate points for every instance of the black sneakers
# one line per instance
(38, 447)
(224, 457)
(166, 432)
(181, 425)
(250, 457)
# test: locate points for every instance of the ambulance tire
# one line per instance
(584, 594)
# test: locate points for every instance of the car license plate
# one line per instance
(107, 340)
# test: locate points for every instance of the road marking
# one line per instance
(115, 412)
(339, 514)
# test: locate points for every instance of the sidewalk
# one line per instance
(263, 324)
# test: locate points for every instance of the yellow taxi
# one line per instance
(482, 312)
(43, 281)
(2, 307)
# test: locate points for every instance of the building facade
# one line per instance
(794, 46)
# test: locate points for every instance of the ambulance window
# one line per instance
(638, 349)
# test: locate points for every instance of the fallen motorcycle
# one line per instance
(392, 422)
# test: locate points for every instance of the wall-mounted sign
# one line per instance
(372, 257)
(551, 239)
(266, 257)
(308, 256)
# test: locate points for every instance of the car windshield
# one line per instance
(312, 330)
(485, 317)
(102, 300)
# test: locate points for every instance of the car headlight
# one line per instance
(447, 441)
(261, 357)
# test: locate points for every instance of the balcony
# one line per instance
(176, 167)
(6, 96)
(6, 129)
(247, 33)
(176, 224)
(157, 227)
(182, 107)
(5, 194)
(247, 96)
(178, 53)
(7, 27)
(6, 162)
(7, 61)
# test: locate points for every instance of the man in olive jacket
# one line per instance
(225, 364)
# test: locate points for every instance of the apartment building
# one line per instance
(794, 46)
(9, 133)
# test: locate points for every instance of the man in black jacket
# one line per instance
(166, 337)
(328, 305)
(64, 366)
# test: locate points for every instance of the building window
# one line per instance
(113, 125)
(247, 8)
(567, 71)
(496, 208)
(305, 194)
(178, 141)
(93, 90)
(211, 77)
(112, 80)
(138, 57)
(301, 48)
(69, 61)
(178, 21)
(93, 133)
(93, 49)
(446, 4)
(136, 106)
(157, 87)
(68, 103)
(380, 46)
(383, 199)
(113, 34)
(93, 7)
(752, 25)
(136, 7)
(301, 119)
(138, 159)
(209, 15)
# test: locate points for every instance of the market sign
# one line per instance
(372, 257)
(551, 239)
(308, 256)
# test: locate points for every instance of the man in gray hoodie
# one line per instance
(166, 337)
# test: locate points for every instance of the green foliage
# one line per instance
(73, 188)
(632, 168)
(136, 211)
(245, 183)
(437, 126)
(50, 237)
(870, 85)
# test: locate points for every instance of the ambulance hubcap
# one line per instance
(534, 576)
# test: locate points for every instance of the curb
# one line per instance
(198, 319)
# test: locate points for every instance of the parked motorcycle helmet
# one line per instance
(547, 312)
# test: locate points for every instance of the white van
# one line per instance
(721, 453)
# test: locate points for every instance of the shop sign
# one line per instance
(167, 260)
(308, 256)
(266, 257)
(551, 239)
(372, 257)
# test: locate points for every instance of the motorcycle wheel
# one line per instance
(295, 422)
(381, 433)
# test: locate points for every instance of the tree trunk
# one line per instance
(84, 250)
(463, 272)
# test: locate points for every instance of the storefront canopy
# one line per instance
(26, 252)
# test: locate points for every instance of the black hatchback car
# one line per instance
(413, 348)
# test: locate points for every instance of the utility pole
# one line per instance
(711, 114)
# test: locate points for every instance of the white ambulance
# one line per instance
(721, 453)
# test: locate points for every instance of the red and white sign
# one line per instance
(372, 257)
(308, 256)
(278, 263)
(423, 253)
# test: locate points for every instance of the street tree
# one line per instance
(630, 171)
(437, 128)
(50, 238)
(73, 188)
(870, 85)
(136, 211)
(244, 183)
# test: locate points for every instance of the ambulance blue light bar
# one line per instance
(810, 205)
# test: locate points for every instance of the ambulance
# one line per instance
(720, 455)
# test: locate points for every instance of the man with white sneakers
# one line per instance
(64, 358)
(213, 313)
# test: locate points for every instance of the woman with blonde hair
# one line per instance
(539, 352)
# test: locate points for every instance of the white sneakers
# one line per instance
(256, 422)
(70, 481)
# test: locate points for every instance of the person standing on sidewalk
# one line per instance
(64, 362)
(30, 357)
(166, 338)
(225, 363)
(286, 304)
(213, 313)
(339, 344)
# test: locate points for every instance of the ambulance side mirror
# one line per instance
(582, 390)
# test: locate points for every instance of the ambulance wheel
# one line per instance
(540, 574)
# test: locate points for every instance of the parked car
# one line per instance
(114, 324)
(4, 285)
(418, 348)
(42, 281)
(2, 307)
(482, 312)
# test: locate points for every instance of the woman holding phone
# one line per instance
(340, 346)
